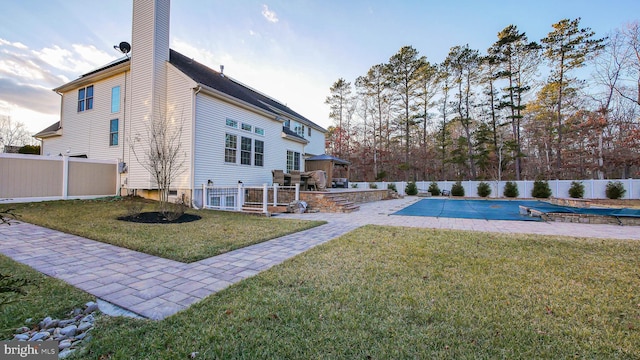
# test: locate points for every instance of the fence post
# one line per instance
(297, 191)
(592, 188)
(204, 196)
(265, 197)
(65, 177)
(275, 194)
(630, 192)
(240, 202)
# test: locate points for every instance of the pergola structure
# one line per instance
(328, 163)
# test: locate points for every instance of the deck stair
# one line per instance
(335, 203)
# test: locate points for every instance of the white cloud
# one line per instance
(270, 15)
(17, 45)
(27, 77)
(79, 60)
(93, 57)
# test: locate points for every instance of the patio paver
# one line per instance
(156, 288)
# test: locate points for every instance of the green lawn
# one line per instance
(45, 296)
(216, 233)
(393, 293)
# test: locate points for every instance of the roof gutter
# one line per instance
(88, 79)
(222, 96)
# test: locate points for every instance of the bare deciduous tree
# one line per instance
(13, 133)
(163, 156)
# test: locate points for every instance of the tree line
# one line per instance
(518, 110)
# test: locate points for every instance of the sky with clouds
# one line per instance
(292, 50)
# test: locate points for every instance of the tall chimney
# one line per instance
(149, 54)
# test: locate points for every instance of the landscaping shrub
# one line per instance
(511, 189)
(411, 189)
(434, 189)
(373, 186)
(11, 287)
(354, 186)
(484, 189)
(576, 190)
(7, 216)
(133, 206)
(176, 210)
(457, 189)
(392, 186)
(615, 190)
(541, 189)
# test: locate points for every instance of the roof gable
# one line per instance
(204, 75)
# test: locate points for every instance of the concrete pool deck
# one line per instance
(380, 213)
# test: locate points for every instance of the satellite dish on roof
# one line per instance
(124, 47)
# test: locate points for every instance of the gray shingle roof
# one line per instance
(204, 75)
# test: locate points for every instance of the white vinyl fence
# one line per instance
(593, 189)
(25, 178)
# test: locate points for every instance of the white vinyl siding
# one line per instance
(211, 131)
(316, 142)
(86, 133)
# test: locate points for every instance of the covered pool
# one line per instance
(499, 209)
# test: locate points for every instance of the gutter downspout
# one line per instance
(193, 145)
(124, 132)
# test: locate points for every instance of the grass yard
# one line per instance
(216, 233)
(393, 293)
(45, 296)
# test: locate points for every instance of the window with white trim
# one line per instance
(230, 148)
(232, 123)
(113, 132)
(258, 153)
(251, 151)
(115, 99)
(85, 98)
(293, 160)
(259, 131)
(245, 151)
(246, 127)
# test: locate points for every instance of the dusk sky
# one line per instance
(291, 50)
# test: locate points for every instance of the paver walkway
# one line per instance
(156, 288)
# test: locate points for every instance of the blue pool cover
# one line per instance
(499, 209)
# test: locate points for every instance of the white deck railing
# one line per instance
(237, 198)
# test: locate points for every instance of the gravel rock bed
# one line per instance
(71, 333)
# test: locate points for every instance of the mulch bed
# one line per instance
(156, 217)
